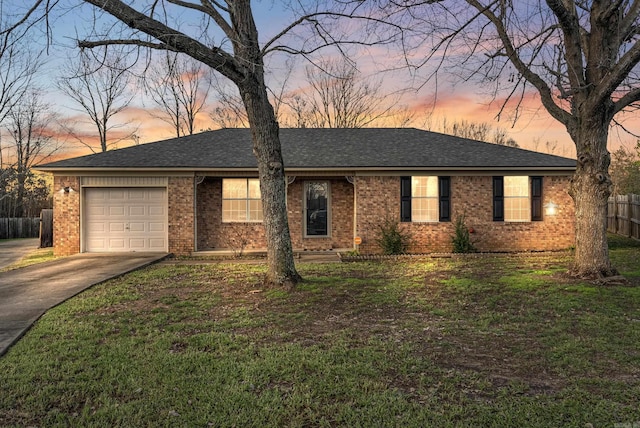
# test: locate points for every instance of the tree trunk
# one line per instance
(21, 191)
(590, 190)
(266, 148)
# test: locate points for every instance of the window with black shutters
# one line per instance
(425, 199)
(517, 198)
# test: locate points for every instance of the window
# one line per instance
(424, 199)
(241, 200)
(517, 198)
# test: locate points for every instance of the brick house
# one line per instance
(201, 193)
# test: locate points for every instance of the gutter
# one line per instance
(459, 170)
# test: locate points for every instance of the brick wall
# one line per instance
(214, 234)
(180, 196)
(341, 215)
(378, 197)
(66, 216)
(553, 233)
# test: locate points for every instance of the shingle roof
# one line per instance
(366, 148)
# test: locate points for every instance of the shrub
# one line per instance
(462, 239)
(238, 237)
(392, 239)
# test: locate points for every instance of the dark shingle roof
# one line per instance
(368, 148)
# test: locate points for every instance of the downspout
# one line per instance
(198, 180)
(289, 179)
(352, 179)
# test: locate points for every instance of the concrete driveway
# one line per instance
(13, 250)
(27, 293)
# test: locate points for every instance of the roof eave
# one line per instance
(293, 170)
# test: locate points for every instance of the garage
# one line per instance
(125, 219)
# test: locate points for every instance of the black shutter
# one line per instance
(405, 199)
(444, 195)
(536, 198)
(498, 198)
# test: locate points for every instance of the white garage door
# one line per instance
(125, 219)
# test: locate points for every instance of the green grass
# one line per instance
(625, 254)
(40, 255)
(504, 341)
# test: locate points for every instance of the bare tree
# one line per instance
(340, 97)
(18, 62)
(100, 86)
(229, 110)
(22, 112)
(551, 147)
(480, 131)
(467, 129)
(178, 87)
(300, 112)
(580, 57)
(501, 138)
(28, 122)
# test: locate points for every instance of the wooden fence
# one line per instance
(46, 228)
(623, 216)
(29, 227)
(12, 228)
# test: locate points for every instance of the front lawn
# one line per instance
(504, 341)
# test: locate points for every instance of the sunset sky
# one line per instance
(451, 99)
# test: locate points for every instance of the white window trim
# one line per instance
(247, 200)
(435, 198)
(527, 198)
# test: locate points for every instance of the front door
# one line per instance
(316, 208)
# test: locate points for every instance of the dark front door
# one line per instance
(316, 208)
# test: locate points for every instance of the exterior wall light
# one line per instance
(550, 208)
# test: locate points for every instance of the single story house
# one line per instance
(201, 193)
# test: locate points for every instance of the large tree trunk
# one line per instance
(590, 190)
(266, 148)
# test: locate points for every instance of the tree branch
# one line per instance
(214, 57)
(312, 19)
(626, 100)
(617, 74)
(573, 36)
(27, 15)
(628, 24)
(209, 9)
(543, 89)
(86, 44)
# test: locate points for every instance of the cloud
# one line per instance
(533, 125)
